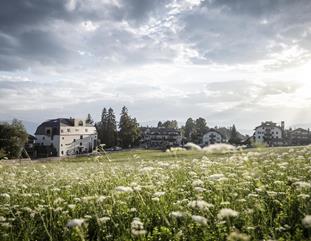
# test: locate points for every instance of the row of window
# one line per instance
(69, 130)
(259, 132)
(260, 137)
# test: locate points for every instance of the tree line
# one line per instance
(195, 129)
(125, 134)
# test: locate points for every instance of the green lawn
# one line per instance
(255, 194)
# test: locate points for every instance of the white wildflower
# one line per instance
(137, 227)
(123, 189)
(200, 204)
(197, 183)
(177, 214)
(301, 184)
(216, 177)
(199, 219)
(158, 194)
(227, 213)
(103, 219)
(306, 221)
(235, 236)
(5, 195)
(75, 223)
(72, 206)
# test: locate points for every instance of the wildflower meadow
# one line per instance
(256, 194)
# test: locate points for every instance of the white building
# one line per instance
(67, 136)
(212, 137)
(270, 133)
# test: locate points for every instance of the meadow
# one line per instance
(258, 194)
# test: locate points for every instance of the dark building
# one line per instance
(160, 137)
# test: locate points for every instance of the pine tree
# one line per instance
(111, 130)
(189, 129)
(234, 136)
(89, 119)
(129, 129)
(200, 129)
(102, 127)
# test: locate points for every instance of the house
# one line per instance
(64, 137)
(269, 133)
(160, 137)
(299, 136)
(212, 136)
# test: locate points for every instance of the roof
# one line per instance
(268, 124)
(214, 130)
(300, 129)
(55, 124)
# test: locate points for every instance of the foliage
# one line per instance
(243, 195)
(13, 138)
(89, 119)
(168, 124)
(107, 128)
(129, 131)
(234, 136)
(194, 130)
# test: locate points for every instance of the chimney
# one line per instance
(283, 125)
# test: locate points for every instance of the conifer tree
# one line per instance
(89, 119)
(129, 129)
(111, 130)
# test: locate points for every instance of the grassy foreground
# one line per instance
(150, 195)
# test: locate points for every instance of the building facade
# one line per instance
(160, 137)
(269, 133)
(64, 137)
(212, 137)
(299, 136)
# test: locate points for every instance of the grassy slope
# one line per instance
(40, 195)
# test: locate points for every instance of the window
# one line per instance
(258, 137)
(80, 143)
(80, 123)
(81, 137)
(61, 130)
(61, 144)
(48, 132)
(68, 130)
(85, 130)
(63, 138)
(43, 138)
(62, 152)
(74, 140)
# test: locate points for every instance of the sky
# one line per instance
(228, 61)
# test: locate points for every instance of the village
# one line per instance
(71, 136)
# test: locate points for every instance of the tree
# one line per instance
(189, 129)
(234, 136)
(169, 124)
(200, 126)
(89, 119)
(13, 138)
(160, 124)
(129, 129)
(111, 129)
(102, 127)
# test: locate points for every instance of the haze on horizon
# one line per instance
(234, 61)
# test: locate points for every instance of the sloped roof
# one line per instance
(55, 124)
(214, 130)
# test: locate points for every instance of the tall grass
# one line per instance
(238, 196)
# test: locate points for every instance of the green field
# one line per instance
(261, 194)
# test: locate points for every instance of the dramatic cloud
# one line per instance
(226, 60)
